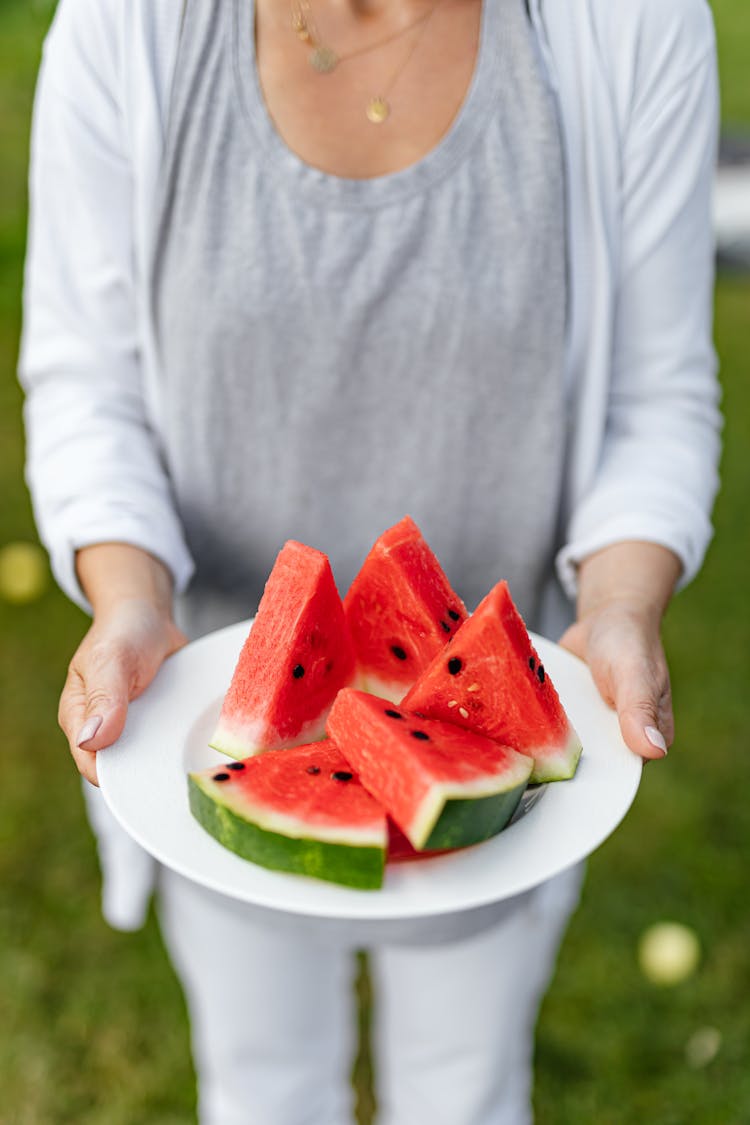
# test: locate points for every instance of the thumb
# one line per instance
(115, 675)
(627, 662)
(95, 699)
(645, 714)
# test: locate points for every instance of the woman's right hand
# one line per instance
(131, 635)
(117, 659)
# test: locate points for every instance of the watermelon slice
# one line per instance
(301, 810)
(445, 787)
(491, 681)
(296, 657)
(401, 610)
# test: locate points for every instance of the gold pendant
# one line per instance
(323, 59)
(378, 110)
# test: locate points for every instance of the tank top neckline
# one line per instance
(323, 187)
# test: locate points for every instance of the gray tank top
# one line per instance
(338, 352)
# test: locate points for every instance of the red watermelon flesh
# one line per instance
(301, 810)
(401, 611)
(297, 655)
(445, 787)
(491, 680)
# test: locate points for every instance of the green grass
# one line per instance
(611, 1046)
(92, 1024)
(732, 19)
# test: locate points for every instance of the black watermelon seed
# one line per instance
(298, 671)
(540, 673)
(454, 666)
(313, 769)
(221, 777)
(398, 652)
(329, 665)
(236, 766)
(421, 735)
(342, 775)
(393, 714)
(532, 663)
(445, 626)
(453, 615)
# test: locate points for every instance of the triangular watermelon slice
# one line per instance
(296, 657)
(301, 810)
(401, 610)
(490, 680)
(445, 787)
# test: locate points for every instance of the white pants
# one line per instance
(273, 1019)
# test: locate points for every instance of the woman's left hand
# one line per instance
(623, 591)
(621, 644)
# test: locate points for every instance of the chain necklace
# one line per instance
(324, 59)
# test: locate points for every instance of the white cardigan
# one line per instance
(637, 94)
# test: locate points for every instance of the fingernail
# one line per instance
(89, 729)
(656, 738)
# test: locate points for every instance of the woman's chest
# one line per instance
(260, 251)
(393, 90)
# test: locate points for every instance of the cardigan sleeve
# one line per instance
(657, 475)
(93, 463)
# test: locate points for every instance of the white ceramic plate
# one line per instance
(143, 778)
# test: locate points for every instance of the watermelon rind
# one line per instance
(558, 766)
(458, 816)
(358, 862)
(462, 823)
(247, 739)
(238, 741)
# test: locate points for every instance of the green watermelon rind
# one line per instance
(457, 816)
(556, 764)
(351, 865)
(472, 821)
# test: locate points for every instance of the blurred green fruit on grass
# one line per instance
(668, 953)
(702, 1047)
(24, 574)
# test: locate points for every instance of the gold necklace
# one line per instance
(379, 108)
(324, 59)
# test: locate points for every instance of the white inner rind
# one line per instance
(244, 740)
(372, 835)
(559, 765)
(384, 689)
(515, 773)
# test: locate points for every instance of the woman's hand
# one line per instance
(117, 659)
(131, 635)
(622, 647)
(623, 592)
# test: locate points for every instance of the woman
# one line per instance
(461, 266)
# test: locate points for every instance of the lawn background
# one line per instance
(92, 1025)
